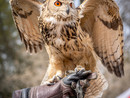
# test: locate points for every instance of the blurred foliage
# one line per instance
(11, 58)
(6, 39)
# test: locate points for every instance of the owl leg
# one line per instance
(55, 72)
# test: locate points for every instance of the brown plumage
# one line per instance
(73, 36)
(105, 26)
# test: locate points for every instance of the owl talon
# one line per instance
(59, 78)
(78, 68)
(68, 72)
(50, 84)
(52, 81)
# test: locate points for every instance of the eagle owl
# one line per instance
(88, 36)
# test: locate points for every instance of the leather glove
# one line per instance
(62, 89)
(79, 75)
(79, 81)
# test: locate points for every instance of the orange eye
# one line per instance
(71, 5)
(57, 3)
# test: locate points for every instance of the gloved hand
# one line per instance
(62, 89)
(79, 75)
(79, 81)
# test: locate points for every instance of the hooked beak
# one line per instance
(68, 10)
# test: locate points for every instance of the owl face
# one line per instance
(62, 8)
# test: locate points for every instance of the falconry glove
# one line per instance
(62, 89)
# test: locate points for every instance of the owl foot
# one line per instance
(78, 68)
(68, 72)
(82, 85)
(52, 81)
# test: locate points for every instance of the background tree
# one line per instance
(11, 59)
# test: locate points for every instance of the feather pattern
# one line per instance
(102, 21)
(26, 13)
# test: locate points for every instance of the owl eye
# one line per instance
(71, 5)
(57, 3)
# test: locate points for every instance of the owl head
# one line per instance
(62, 9)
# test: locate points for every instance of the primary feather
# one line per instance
(25, 14)
(103, 22)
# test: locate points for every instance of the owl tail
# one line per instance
(97, 86)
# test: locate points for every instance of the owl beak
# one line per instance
(68, 10)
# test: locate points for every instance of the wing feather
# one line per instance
(25, 14)
(102, 21)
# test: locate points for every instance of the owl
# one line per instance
(88, 36)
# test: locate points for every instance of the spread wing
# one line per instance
(25, 14)
(101, 19)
